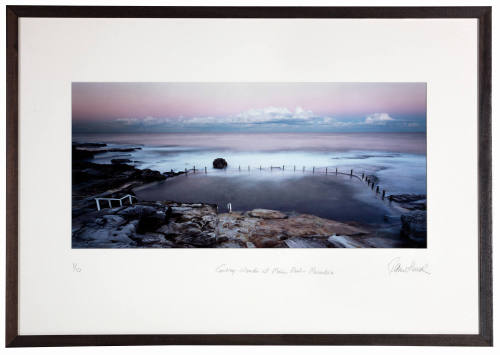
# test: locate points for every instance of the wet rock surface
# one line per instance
(266, 214)
(180, 225)
(414, 225)
(414, 217)
(410, 201)
(147, 225)
(274, 229)
(167, 224)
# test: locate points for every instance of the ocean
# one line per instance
(397, 160)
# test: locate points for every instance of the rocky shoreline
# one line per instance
(169, 224)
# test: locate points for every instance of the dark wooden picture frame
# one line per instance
(482, 14)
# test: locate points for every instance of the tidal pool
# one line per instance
(337, 197)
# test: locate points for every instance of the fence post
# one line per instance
(373, 185)
(326, 171)
(303, 168)
(239, 167)
(98, 204)
(336, 171)
(362, 176)
(351, 172)
(121, 203)
(194, 169)
(249, 168)
(130, 198)
(383, 194)
(313, 169)
(260, 167)
(205, 169)
(109, 203)
(377, 189)
(294, 168)
(283, 168)
(186, 171)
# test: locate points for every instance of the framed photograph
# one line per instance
(248, 175)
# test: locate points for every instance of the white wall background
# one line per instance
(243, 350)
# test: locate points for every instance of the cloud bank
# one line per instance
(271, 119)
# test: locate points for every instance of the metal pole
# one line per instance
(249, 168)
(283, 167)
(313, 169)
(98, 204)
(383, 194)
(351, 172)
(130, 199)
(326, 171)
(205, 169)
(186, 171)
(109, 202)
(294, 168)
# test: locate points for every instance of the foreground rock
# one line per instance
(266, 214)
(414, 226)
(410, 202)
(147, 225)
(181, 225)
(219, 163)
(413, 217)
(272, 229)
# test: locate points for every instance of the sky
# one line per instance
(248, 107)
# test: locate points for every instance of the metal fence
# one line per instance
(361, 176)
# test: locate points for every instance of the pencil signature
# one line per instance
(397, 266)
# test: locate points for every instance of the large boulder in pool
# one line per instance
(219, 163)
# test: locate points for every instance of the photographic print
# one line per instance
(249, 165)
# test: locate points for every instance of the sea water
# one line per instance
(397, 160)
